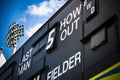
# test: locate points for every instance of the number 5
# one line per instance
(51, 40)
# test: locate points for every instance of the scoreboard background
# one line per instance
(77, 43)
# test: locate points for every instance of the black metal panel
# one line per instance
(83, 44)
(90, 9)
(92, 57)
(101, 66)
(107, 8)
(107, 54)
(68, 43)
(8, 74)
(98, 39)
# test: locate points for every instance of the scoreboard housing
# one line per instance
(79, 42)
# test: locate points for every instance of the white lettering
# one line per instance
(77, 11)
(55, 73)
(24, 67)
(77, 58)
(71, 62)
(92, 10)
(63, 34)
(89, 5)
(59, 74)
(49, 76)
(63, 24)
(68, 32)
(69, 18)
(37, 78)
(67, 65)
(76, 23)
(69, 23)
(25, 62)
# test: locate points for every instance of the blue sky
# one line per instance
(30, 13)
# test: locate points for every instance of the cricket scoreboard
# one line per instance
(79, 42)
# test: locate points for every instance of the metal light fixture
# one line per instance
(15, 32)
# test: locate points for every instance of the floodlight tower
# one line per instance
(15, 32)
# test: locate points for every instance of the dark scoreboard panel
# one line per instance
(79, 42)
(101, 42)
(66, 57)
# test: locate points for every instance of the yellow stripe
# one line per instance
(112, 77)
(106, 71)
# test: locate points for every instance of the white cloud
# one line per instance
(23, 19)
(29, 32)
(45, 8)
(36, 15)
